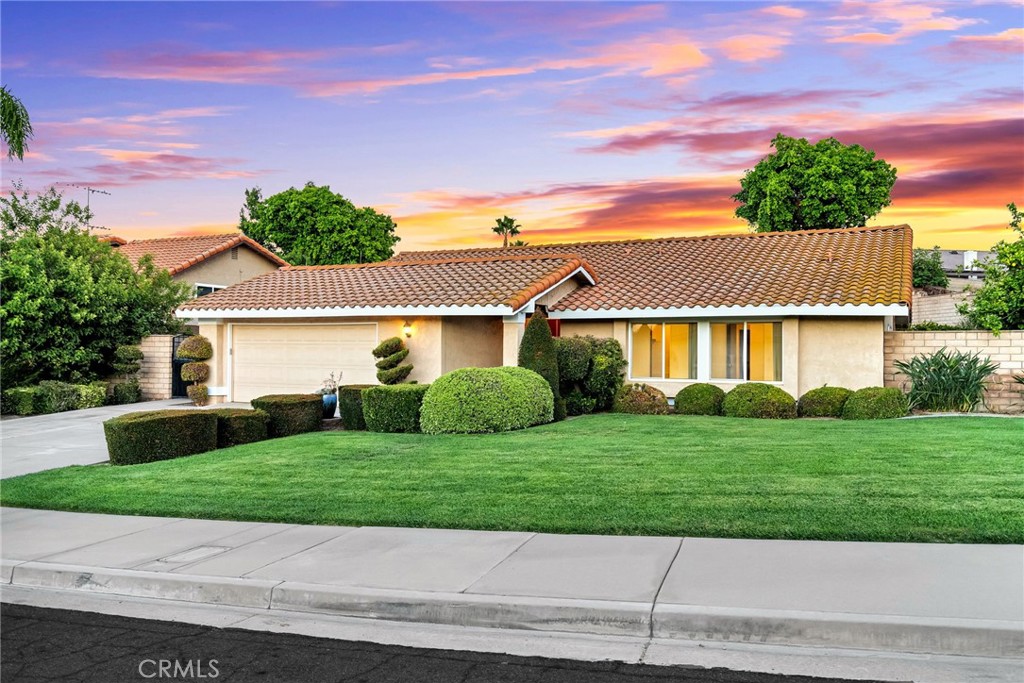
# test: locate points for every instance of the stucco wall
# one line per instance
(1003, 394)
(840, 352)
(223, 270)
(471, 342)
(155, 374)
(559, 293)
(582, 328)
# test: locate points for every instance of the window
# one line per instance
(203, 290)
(746, 351)
(664, 351)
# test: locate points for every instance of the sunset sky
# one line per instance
(582, 120)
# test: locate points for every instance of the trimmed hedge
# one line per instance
(19, 401)
(823, 402)
(537, 352)
(159, 435)
(700, 399)
(291, 413)
(640, 399)
(236, 426)
(876, 403)
(127, 392)
(54, 397)
(350, 406)
(478, 400)
(574, 354)
(195, 371)
(605, 378)
(754, 399)
(394, 408)
(198, 393)
(90, 395)
(196, 347)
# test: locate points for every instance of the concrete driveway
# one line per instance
(45, 442)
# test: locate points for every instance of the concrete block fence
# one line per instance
(1003, 395)
(938, 308)
(155, 375)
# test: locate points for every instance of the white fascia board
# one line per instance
(864, 310)
(529, 306)
(342, 312)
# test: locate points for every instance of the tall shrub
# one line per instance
(606, 372)
(391, 352)
(196, 349)
(947, 380)
(537, 352)
(589, 372)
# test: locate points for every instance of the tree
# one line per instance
(803, 186)
(506, 227)
(537, 352)
(314, 226)
(15, 126)
(999, 303)
(928, 271)
(70, 300)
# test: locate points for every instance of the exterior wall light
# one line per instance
(407, 329)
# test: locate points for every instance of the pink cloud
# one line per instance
(785, 11)
(1009, 43)
(891, 21)
(752, 47)
(238, 67)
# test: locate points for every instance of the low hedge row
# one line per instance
(291, 413)
(480, 400)
(53, 397)
(159, 435)
(876, 403)
(394, 407)
(350, 406)
(700, 399)
(237, 426)
(823, 402)
(754, 399)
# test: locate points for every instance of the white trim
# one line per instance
(867, 310)
(207, 284)
(216, 391)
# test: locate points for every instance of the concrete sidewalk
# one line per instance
(914, 598)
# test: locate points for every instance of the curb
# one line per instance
(903, 634)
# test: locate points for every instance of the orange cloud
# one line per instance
(785, 11)
(1009, 43)
(902, 19)
(239, 67)
(752, 47)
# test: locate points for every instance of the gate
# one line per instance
(178, 385)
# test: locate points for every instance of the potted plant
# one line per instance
(329, 393)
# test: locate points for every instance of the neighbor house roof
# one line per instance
(491, 284)
(811, 270)
(176, 254)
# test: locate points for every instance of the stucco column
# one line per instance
(512, 333)
(216, 332)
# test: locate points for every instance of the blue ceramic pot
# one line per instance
(330, 405)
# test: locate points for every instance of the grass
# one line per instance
(943, 479)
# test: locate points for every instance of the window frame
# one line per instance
(197, 285)
(664, 337)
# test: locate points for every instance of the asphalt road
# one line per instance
(58, 645)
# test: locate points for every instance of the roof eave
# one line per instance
(775, 310)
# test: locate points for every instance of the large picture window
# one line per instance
(746, 351)
(664, 351)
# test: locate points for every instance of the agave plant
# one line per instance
(946, 380)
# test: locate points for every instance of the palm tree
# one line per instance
(15, 127)
(506, 227)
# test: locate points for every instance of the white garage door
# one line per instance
(295, 359)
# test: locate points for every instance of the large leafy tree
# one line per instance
(999, 303)
(506, 227)
(801, 186)
(70, 300)
(314, 226)
(15, 126)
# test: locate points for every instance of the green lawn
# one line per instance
(943, 479)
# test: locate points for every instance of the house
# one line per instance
(798, 309)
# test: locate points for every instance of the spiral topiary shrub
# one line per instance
(478, 400)
(237, 426)
(350, 406)
(640, 399)
(754, 399)
(391, 353)
(876, 403)
(159, 435)
(393, 408)
(700, 399)
(823, 402)
(291, 413)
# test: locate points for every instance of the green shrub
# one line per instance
(54, 397)
(196, 347)
(393, 408)
(700, 399)
(947, 381)
(291, 413)
(126, 359)
(875, 403)
(90, 395)
(476, 400)
(127, 392)
(754, 399)
(195, 371)
(537, 352)
(236, 426)
(640, 399)
(159, 435)
(929, 326)
(392, 361)
(198, 393)
(578, 403)
(19, 401)
(350, 406)
(388, 347)
(391, 352)
(394, 375)
(927, 269)
(574, 356)
(823, 402)
(605, 378)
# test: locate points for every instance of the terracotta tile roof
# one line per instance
(854, 266)
(113, 239)
(176, 254)
(505, 280)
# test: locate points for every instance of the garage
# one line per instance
(295, 359)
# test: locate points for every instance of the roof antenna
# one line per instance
(89, 192)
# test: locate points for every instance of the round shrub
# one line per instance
(350, 406)
(199, 393)
(159, 435)
(90, 395)
(823, 402)
(700, 399)
(127, 392)
(476, 400)
(394, 408)
(196, 347)
(54, 397)
(578, 403)
(196, 371)
(754, 399)
(640, 399)
(291, 413)
(236, 426)
(875, 403)
(126, 359)
(574, 354)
